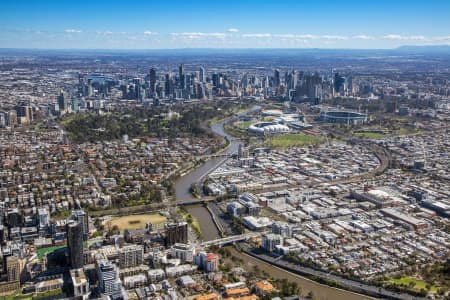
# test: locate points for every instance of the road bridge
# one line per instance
(231, 239)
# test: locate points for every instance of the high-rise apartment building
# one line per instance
(74, 231)
(131, 256)
(176, 233)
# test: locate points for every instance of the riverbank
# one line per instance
(320, 291)
(208, 229)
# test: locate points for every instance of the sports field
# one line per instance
(293, 140)
(243, 124)
(369, 135)
(136, 221)
(416, 284)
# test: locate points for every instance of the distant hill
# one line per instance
(425, 49)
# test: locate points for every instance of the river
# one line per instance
(320, 291)
(210, 231)
(182, 185)
(207, 226)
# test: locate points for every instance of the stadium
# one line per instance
(345, 117)
(268, 128)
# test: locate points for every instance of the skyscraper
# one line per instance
(137, 88)
(75, 105)
(294, 80)
(169, 85)
(82, 217)
(152, 79)
(276, 78)
(202, 75)
(216, 80)
(74, 231)
(181, 76)
(63, 102)
(338, 82)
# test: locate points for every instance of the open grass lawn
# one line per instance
(43, 251)
(268, 118)
(418, 284)
(192, 221)
(55, 294)
(369, 135)
(293, 140)
(243, 124)
(136, 221)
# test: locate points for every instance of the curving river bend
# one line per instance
(210, 232)
(182, 185)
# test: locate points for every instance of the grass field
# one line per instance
(243, 124)
(43, 251)
(136, 221)
(293, 140)
(369, 135)
(418, 284)
(192, 221)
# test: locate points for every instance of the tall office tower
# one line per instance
(13, 268)
(152, 80)
(169, 85)
(74, 231)
(350, 86)
(216, 80)
(181, 76)
(313, 82)
(75, 104)
(294, 80)
(276, 78)
(63, 101)
(108, 279)
(266, 82)
(137, 88)
(131, 256)
(245, 81)
(124, 90)
(201, 91)
(176, 233)
(338, 82)
(202, 75)
(82, 217)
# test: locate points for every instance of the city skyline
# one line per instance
(202, 24)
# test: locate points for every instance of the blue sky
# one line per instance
(160, 24)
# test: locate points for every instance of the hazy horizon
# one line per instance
(234, 24)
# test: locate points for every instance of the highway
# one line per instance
(352, 285)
